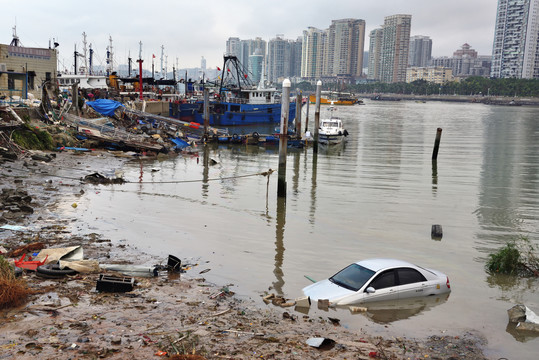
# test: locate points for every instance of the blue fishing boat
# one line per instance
(238, 101)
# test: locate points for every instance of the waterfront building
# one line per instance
(420, 51)
(312, 54)
(395, 48)
(434, 74)
(375, 51)
(344, 49)
(24, 69)
(465, 62)
(515, 52)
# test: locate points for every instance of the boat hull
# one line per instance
(326, 101)
(232, 114)
(330, 139)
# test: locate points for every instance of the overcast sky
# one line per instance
(195, 28)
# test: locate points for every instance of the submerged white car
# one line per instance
(378, 280)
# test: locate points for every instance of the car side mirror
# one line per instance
(370, 290)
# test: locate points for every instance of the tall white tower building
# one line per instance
(515, 53)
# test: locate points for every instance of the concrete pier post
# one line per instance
(283, 139)
(317, 115)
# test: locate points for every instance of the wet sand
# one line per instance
(170, 313)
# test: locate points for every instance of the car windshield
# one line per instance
(352, 277)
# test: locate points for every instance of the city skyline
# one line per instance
(189, 31)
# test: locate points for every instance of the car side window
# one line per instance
(409, 276)
(384, 280)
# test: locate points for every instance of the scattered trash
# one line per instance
(174, 264)
(309, 278)
(319, 342)
(132, 270)
(54, 255)
(204, 271)
(29, 264)
(357, 309)
(13, 227)
(97, 178)
(108, 283)
(303, 302)
(525, 318)
(53, 271)
(74, 205)
(323, 304)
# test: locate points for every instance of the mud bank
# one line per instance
(171, 314)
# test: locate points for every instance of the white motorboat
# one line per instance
(331, 131)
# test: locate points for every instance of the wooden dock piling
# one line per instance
(298, 112)
(436, 144)
(206, 111)
(283, 139)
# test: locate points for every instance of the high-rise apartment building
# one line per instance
(243, 49)
(395, 48)
(233, 46)
(284, 58)
(375, 51)
(312, 54)
(344, 50)
(420, 51)
(515, 52)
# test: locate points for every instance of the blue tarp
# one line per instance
(104, 106)
(180, 144)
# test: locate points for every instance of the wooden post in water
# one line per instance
(206, 111)
(283, 139)
(436, 144)
(317, 115)
(298, 113)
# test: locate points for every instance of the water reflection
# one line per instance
(279, 245)
(391, 311)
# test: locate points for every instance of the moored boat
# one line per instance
(331, 131)
(238, 102)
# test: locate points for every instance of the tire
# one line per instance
(204, 138)
(235, 137)
(53, 271)
(256, 135)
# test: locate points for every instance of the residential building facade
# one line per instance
(284, 59)
(420, 51)
(434, 74)
(395, 48)
(344, 50)
(312, 54)
(375, 51)
(515, 52)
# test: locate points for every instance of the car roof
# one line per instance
(380, 264)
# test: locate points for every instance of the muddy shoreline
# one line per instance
(173, 314)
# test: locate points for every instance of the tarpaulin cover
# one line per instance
(104, 106)
(180, 144)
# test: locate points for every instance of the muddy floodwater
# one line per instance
(376, 196)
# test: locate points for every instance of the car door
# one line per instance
(384, 285)
(411, 283)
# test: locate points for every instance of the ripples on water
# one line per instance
(377, 196)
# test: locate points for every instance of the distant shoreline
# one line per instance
(480, 99)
